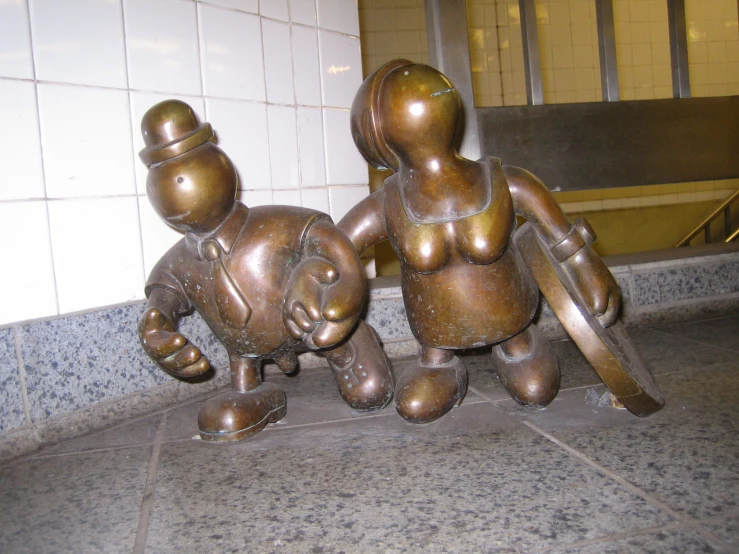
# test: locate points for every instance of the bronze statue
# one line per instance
(451, 222)
(266, 280)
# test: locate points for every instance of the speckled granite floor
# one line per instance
(489, 477)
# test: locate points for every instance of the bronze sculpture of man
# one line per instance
(451, 222)
(265, 279)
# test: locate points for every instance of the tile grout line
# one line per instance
(654, 501)
(147, 502)
(612, 538)
(657, 330)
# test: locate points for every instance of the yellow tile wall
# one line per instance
(645, 196)
(482, 23)
(568, 49)
(713, 47)
(391, 29)
(642, 49)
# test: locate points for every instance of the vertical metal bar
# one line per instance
(707, 233)
(607, 49)
(678, 48)
(531, 59)
(449, 52)
(727, 221)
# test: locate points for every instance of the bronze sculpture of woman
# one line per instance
(451, 222)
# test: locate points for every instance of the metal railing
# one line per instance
(705, 225)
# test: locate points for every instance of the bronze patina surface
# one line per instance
(266, 280)
(452, 223)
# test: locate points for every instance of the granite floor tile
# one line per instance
(683, 541)
(574, 369)
(78, 503)
(727, 528)
(475, 481)
(141, 431)
(686, 454)
(312, 397)
(723, 332)
(662, 353)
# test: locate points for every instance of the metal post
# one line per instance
(607, 49)
(449, 52)
(678, 48)
(531, 63)
(727, 221)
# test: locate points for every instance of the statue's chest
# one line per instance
(427, 247)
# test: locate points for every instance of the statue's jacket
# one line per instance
(247, 261)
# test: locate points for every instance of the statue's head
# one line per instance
(403, 110)
(191, 182)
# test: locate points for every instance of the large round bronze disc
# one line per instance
(609, 350)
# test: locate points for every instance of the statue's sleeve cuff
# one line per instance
(580, 235)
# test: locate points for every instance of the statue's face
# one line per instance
(194, 191)
(419, 111)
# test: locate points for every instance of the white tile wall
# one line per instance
(20, 151)
(77, 76)
(341, 68)
(86, 137)
(28, 287)
(307, 66)
(15, 42)
(97, 251)
(78, 41)
(276, 9)
(344, 163)
(278, 67)
(162, 57)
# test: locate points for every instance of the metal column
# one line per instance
(607, 49)
(678, 48)
(531, 62)
(449, 52)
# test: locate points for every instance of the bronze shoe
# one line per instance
(528, 368)
(362, 370)
(425, 393)
(233, 416)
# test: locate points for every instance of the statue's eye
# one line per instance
(180, 179)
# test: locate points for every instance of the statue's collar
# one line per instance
(225, 234)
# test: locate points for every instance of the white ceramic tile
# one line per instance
(162, 57)
(20, 148)
(310, 146)
(344, 163)
(307, 66)
(251, 6)
(276, 9)
(79, 41)
(286, 197)
(343, 199)
(303, 11)
(255, 197)
(316, 199)
(156, 236)
(15, 43)
(278, 66)
(283, 146)
(97, 252)
(341, 68)
(140, 103)
(339, 15)
(29, 285)
(231, 50)
(241, 130)
(86, 136)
